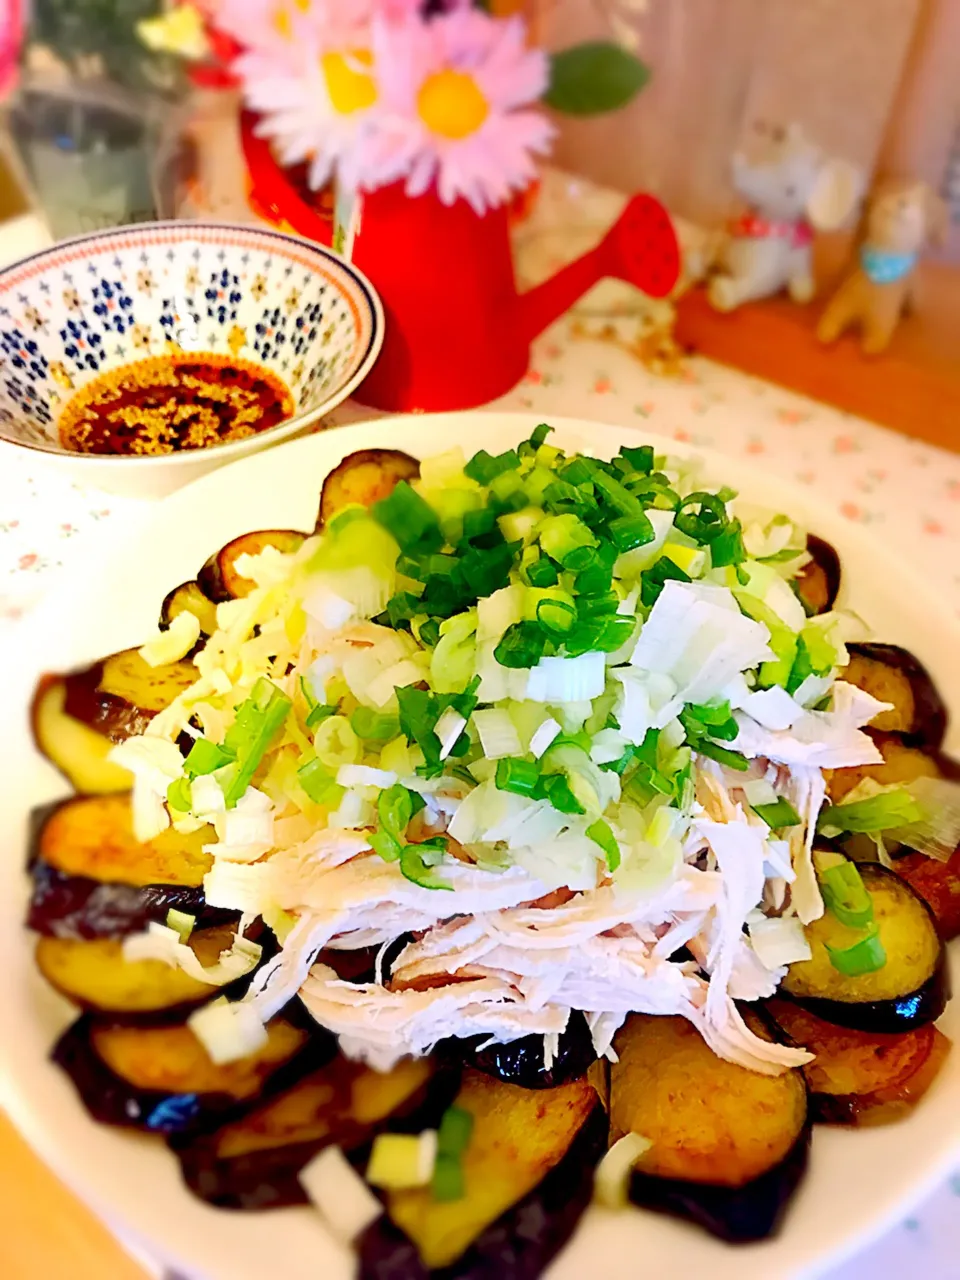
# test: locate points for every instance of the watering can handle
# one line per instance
(641, 248)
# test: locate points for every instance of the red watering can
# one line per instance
(458, 333)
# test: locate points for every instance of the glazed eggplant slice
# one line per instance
(818, 582)
(93, 879)
(363, 478)
(219, 580)
(189, 598)
(76, 750)
(119, 696)
(521, 1061)
(253, 1162)
(162, 1079)
(909, 990)
(857, 1078)
(894, 675)
(938, 884)
(729, 1146)
(528, 1175)
(902, 764)
(95, 976)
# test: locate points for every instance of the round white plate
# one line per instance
(858, 1181)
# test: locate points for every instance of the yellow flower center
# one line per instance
(281, 17)
(350, 89)
(452, 104)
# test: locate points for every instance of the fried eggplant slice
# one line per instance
(857, 1078)
(521, 1061)
(76, 750)
(938, 884)
(902, 764)
(162, 1079)
(894, 675)
(528, 1175)
(119, 696)
(219, 580)
(93, 879)
(95, 976)
(253, 1162)
(909, 990)
(189, 598)
(729, 1145)
(818, 582)
(363, 478)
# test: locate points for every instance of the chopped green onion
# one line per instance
(846, 895)
(258, 721)
(317, 712)
(205, 757)
(732, 759)
(522, 645)
(484, 468)
(576, 471)
(556, 789)
(178, 795)
(707, 522)
(652, 580)
(882, 812)
(641, 459)
(598, 606)
(562, 537)
(600, 833)
(519, 776)
(778, 815)
(319, 783)
(453, 1135)
(406, 516)
(864, 956)
(401, 608)
(486, 571)
(448, 1181)
(727, 547)
(631, 531)
(617, 495)
(556, 616)
(507, 492)
(428, 633)
(395, 809)
(542, 573)
(182, 922)
(417, 862)
(374, 725)
(539, 435)
(386, 845)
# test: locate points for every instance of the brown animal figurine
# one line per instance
(903, 218)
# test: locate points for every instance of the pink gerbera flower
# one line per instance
(452, 93)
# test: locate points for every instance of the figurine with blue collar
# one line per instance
(904, 217)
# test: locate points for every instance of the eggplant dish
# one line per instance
(385, 848)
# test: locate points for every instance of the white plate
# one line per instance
(858, 1181)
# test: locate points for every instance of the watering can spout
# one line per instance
(640, 248)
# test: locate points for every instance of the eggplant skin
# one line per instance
(363, 478)
(738, 1215)
(818, 582)
(112, 1100)
(893, 674)
(63, 906)
(885, 1017)
(521, 1061)
(189, 597)
(522, 1242)
(219, 580)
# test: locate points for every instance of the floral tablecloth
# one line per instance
(907, 492)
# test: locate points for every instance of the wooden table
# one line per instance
(56, 1237)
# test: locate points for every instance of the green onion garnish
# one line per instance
(556, 789)
(600, 833)
(542, 573)
(428, 633)
(374, 725)
(652, 580)
(406, 516)
(628, 532)
(387, 846)
(205, 757)
(319, 783)
(539, 435)
(556, 616)
(727, 547)
(522, 645)
(257, 723)
(640, 459)
(519, 776)
(562, 537)
(448, 1181)
(846, 895)
(453, 1135)
(417, 862)
(178, 794)
(864, 956)
(779, 814)
(882, 812)
(484, 468)
(704, 523)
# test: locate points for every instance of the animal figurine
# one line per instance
(793, 190)
(903, 218)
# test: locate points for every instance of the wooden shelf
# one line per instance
(913, 387)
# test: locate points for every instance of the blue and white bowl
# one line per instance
(90, 305)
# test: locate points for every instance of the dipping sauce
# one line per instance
(185, 400)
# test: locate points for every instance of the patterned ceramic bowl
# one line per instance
(251, 299)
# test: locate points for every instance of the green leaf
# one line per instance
(594, 77)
